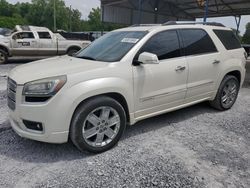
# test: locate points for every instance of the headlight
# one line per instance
(44, 87)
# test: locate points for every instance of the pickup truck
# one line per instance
(37, 41)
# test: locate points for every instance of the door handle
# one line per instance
(216, 62)
(180, 68)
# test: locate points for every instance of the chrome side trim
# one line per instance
(144, 99)
(199, 85)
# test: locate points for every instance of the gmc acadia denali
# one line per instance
(123, 77)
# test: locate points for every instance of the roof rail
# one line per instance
(193, 23)
(144, 25)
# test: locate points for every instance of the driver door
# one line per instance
(24, 44)
(162, 86)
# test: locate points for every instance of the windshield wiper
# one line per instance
(86, 57)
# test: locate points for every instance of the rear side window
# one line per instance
(164, 44)
(197, 41)
(44, 35)
(24, 35)
(228, 39)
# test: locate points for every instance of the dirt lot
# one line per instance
(192, 147)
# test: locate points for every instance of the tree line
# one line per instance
(41, 12)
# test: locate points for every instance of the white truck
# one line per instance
(36, 41)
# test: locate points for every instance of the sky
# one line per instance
(85, 6)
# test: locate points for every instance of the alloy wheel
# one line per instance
(229, 93)
(101, 126)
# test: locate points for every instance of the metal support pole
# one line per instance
(70, 19)
(238, 24)
(140, 9)
(206, 11)
(102, 20)
(54, 15)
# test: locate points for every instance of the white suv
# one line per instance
(125, 76)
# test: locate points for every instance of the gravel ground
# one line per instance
(192, 147)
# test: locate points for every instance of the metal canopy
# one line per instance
(159, 11)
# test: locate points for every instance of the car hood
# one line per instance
(4, 38)
(57, 66)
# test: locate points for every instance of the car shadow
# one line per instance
(21, 149)
(168, 119)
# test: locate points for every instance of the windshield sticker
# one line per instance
(130, 40)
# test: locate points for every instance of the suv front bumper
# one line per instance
(51, 116)
(54, 137)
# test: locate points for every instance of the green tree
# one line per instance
(11, 22)
(41, 13)
(95, 22)
(246, 36)
(6, 9)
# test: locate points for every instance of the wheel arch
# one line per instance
(235, 73)
(4, 48)
(73, 47)
(114, 95)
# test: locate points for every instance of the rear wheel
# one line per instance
(3, 57)
(98, 125)
(72, 51)
(227, 93)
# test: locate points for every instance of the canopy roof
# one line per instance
(159, 11)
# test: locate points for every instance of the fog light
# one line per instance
(36, 126)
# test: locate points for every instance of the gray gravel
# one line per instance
(192, 147)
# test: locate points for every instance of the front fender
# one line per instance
(72, 96)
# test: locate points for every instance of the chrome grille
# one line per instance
(11, 90)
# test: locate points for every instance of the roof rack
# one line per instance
(193, 23)
(145, 25)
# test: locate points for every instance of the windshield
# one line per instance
(5, 32)
(112, 46)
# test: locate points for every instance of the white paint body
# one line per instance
(149, 89)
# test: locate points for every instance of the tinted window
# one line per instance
(228, 39)
(44, 35)
(197, 41)
(24, 35)
(165, 45)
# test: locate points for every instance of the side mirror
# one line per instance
(148, 58)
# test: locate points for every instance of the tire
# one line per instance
(3, 57)
(72, 51)
(227, 93)
(101, 118)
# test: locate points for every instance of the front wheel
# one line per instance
(3, 57)
(98, 124)
(227, 93)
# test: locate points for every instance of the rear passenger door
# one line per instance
(47, 45)
(203, 60)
